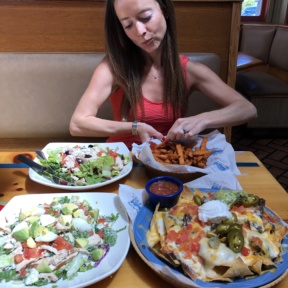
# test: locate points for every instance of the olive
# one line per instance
(88, 156)
(197, 199)
(222, 228)
(235, 240)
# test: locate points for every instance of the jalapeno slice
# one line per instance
(236, 226)
(197, 199)
(235, 240)
(251, 200)
(223, 228)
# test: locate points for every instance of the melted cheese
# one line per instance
(223, 256)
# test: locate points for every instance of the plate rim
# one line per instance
(108, 195)
(43, 181)
(180, 284)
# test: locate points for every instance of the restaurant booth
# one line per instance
(46, 39)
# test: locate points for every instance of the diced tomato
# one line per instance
(257, 241)
(99, 153)
(183, 238)
(113, 154)
(32, 253)
(240, 209)
(195, 246)
(18, 258)
(245, 251)
(100, 234)
(60, 243)
(23, 272)
(271, 218)
(171, 236)
(101, 220)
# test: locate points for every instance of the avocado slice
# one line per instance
(94, 213)
(97, 254)
(36, 230)
(43, 267)
(24, 215)
(81, 242)
(21, 235)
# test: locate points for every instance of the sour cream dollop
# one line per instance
(214, 211)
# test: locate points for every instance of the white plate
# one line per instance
(107, 203)
(121, 148)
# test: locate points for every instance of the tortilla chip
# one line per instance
(167, 257)
(238, 269)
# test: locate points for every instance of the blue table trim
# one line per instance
(138, 164)
(13, 165)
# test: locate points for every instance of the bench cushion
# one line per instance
(39, 91)
(257, 83)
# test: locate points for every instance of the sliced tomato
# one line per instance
(60, 243)
(29, 253)
(18, 258)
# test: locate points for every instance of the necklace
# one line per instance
(155, 77)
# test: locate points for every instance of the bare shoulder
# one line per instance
(198, 73)
(102, 75)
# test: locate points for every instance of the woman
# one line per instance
(148, 83)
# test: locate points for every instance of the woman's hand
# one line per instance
(185, 128)
(146, 132)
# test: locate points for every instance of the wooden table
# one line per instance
(245, 61)
(134, 272)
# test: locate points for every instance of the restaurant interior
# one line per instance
(49, 49)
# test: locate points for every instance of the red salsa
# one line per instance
(164, 188)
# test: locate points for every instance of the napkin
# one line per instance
(222, 158)
(134, 199)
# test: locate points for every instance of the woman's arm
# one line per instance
(236, 109)
(84, 121)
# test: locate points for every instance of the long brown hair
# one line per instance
(127, 62)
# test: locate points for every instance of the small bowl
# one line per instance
(167, 195)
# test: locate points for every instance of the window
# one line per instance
(254, 10)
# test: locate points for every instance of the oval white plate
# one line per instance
(107, 203)
(121, 148)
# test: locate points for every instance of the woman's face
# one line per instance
(143, 22)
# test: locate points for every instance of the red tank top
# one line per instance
(155, 114)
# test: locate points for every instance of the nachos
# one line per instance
(217, 236)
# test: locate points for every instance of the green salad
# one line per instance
(55, 241)
(85, 165)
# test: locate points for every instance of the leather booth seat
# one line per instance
(266, 86)
(39, 91)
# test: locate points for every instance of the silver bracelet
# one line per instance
(134, 128)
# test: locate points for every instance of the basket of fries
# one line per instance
(171, 157)
(202, 155)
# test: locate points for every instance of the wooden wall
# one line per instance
(77, 26)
